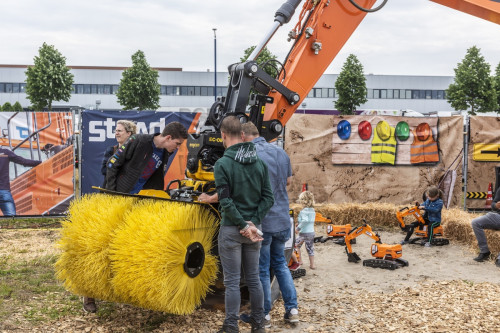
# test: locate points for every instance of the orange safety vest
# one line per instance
(422, 151)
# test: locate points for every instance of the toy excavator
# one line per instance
(421, 226)
(333, 232)
(386, 256)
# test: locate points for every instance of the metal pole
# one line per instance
(215, 63)
(466, 158)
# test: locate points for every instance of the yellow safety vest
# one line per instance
(384, 151)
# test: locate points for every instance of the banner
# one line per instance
(36, 162)
(389, 140)
(97, 133)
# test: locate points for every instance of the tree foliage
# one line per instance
(473, 88)
(264, 59)
(350, 86)
(17, 107)
(7, 107)
(496, 80)
(49, 79)
(139, 87)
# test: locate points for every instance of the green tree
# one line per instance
(473, 88)
(350, 86)
(49, 79)
(139, 87)
(7, 107)
(496, 80)
(265, 59)
(17, 107)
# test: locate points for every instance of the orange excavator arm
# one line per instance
(364, 229)
(324, 27)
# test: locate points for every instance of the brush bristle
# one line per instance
(148, 253)
(84, 264)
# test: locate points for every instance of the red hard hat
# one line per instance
(423, 131)
(365, 130)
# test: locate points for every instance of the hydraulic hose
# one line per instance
(368, 10)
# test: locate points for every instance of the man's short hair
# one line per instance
(231, 125)
(176, 130)
(249, 128)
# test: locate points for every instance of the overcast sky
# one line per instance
(406, 37)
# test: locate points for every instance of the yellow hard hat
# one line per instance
(383, 130)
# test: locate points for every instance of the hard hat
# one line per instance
(402, 131)
(365, 130)
(383, 130)
(344, 129)
(423, 131)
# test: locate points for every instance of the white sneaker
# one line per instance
(292, 316)
(267, 321)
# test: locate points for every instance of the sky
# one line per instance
(406, 37)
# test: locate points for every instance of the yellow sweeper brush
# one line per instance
(161, 256)
(84, 264)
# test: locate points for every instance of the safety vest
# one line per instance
(384, 151)
(422, 151)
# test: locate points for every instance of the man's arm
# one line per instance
(13, 157)
(267, 198)
(224, 195)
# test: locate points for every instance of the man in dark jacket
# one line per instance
(488, 221)
(7, 204)
(245, 196)
(141, 162)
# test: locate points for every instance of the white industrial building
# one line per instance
(95, 87)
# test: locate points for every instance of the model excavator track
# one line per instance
(385, 263)
(435, 242)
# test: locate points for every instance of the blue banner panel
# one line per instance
(97, 134)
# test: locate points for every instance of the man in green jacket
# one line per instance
(245, 196)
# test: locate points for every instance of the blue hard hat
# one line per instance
(344, 129)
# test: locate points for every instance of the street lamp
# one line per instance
(215, 63)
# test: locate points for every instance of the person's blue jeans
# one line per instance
(7, 204)
(272, 255)
(235, 252)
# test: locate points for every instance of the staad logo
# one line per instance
(99, 131)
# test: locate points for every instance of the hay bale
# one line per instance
(456, 222)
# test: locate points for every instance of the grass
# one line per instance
(29, 288)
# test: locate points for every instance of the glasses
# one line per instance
(120, 131)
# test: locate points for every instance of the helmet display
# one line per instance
(423, 131)
(383, 130)
(365, 130)
(344, 129)
(402, 131)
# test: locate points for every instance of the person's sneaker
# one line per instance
(89, 305)
(245, 317)
(483, 256)
(497, 262)
(227, 329)
(294, 266)
(427, 244)
(404, 242)
(292, 316)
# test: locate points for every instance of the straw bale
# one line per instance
(382, 216)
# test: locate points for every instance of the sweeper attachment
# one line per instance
(148, 251)
(386, 256)
(421, 226)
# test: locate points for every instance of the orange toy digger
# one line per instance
(386, 256)
(334, 232)
(421, 226)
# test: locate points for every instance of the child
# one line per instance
(433, 206)
(306, 226)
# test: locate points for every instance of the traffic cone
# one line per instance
(304, 187)
(489, 197)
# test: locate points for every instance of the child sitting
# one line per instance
(433, 206)
(306, 226)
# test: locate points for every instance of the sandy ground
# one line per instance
(442, 290)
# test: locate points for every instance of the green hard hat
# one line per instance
(402, 131)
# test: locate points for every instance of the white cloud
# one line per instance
(406, 37)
